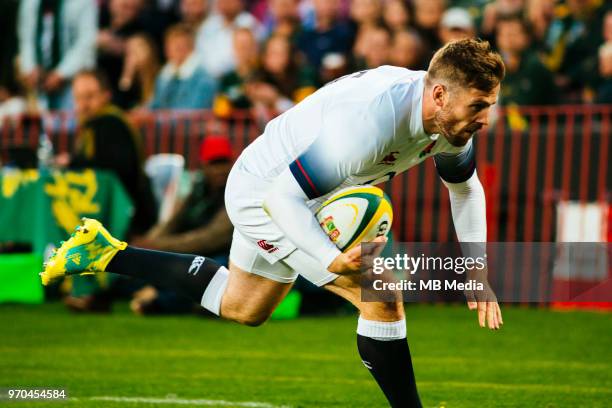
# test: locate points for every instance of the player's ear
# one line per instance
(439, 94)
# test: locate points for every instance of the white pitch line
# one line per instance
(181, 401)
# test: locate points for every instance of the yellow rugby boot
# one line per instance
(89, 249)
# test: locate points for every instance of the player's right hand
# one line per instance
(349, 262)
(484, 301)
(489, 313)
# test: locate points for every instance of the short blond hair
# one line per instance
(469, 62)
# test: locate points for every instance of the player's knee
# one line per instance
(246, 317)
(253, 320)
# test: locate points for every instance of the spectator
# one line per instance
(8, 43)
(329, 36)
(232, 94)
(607, 27)
(334, 65)
(12, 102)
(199, 225)
(603, 82)
(596, 85)
(140, 68)
(56, 40)
(604, 89)
(156, 16)
(396, 15)
(377, 42)
(214, 42)
(258, 8)
(194, 12)
(427, 17)
(182, 83)
(527, 81)
(106, 140)
(283, 19)
(456, 24)
(539, 15)
(495, 10)
(281, 82)
(118, 22)
(366, 15)
(572, 43)
(407, 50)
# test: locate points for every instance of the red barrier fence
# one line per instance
(549, 154)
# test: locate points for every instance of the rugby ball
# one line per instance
(355, 214)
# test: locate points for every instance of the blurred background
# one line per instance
(133, 111)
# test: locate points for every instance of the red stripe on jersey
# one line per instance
(297, 161)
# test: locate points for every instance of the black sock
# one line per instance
(187, 274)
(391, 366)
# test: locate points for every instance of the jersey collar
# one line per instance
(416, 118)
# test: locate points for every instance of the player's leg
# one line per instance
(255, 286)
(256, 282)
(382, 343)
(250, 298)
(233, 294)
(381, 331)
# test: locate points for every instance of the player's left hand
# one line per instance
(484, 302)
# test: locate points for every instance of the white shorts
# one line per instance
(258, 245)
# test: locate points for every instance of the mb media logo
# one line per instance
(196, 264)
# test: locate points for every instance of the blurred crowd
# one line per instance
(270, 54)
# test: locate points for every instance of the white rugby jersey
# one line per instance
(361, 129)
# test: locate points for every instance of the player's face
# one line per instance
(465, 112)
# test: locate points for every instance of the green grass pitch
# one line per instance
(540, 358)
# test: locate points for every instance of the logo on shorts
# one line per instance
(195, 265)
(266, 246)
(332, 231)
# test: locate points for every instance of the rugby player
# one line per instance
(361, 129)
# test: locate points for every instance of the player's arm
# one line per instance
(344, 144)
(317, 171)
(286, 205)
(468, 207)
(458, 172)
